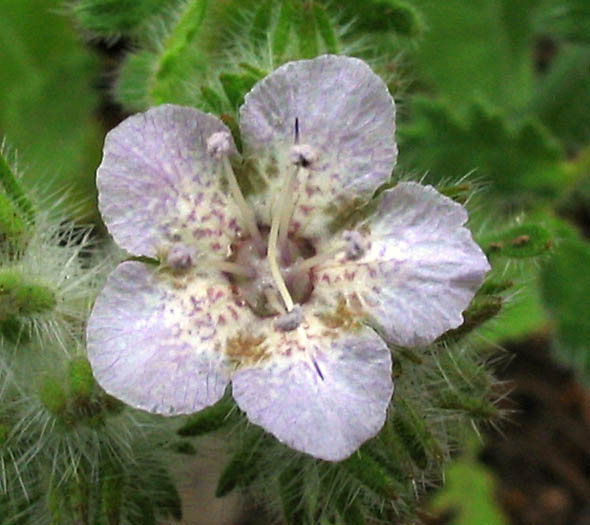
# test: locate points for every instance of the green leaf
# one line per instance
(282, 30)
(179, 56)
(486, 45)
(306, 31)
(163, 71)
(562, 99)
(566, 291)
(515, 158)
(566, 19)
(326, 29)
(261, 22)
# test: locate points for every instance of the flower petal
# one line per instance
(420, 270)
(325, 400)
(156, 341)
(157, 183)
(344, 113)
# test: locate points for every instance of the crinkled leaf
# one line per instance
(486, 45)
(514, 158)
(566, 291)
(563, 96)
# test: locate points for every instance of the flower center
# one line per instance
(260, 291)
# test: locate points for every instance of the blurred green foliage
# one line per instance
(468, 494)
(48, 100)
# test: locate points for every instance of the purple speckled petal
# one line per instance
(420, 270)
(158, 185)
(326, 401)
(155, 341)
(345, 114)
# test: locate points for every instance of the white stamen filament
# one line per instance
(273, 300)
(245, 210)
(272, 260)
(317, 260)
(234, 268)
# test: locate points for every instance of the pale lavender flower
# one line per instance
(261, 291)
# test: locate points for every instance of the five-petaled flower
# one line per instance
(274, 290)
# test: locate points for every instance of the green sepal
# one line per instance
(350, 511)
(521, 242)
(56, 504)
(168, 502)
(183, 447)
(419, 442)
(53, 395)
(213, 101)
(291, 490)
(112, 490)
(112, 404)
(14, 331)
(481, 309)
(13, 229)
(236, 86)
(326, 29)
(145, 514)
(391, 454)
(79, 496)
(19, 297)
(4, 431)
(209, 419)
(253, 70)
(234, 127)
(491, 287)
(367, 470)
(80, 379)
(475, 407)
(241, 469)
(458, 192)
(15, 191)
